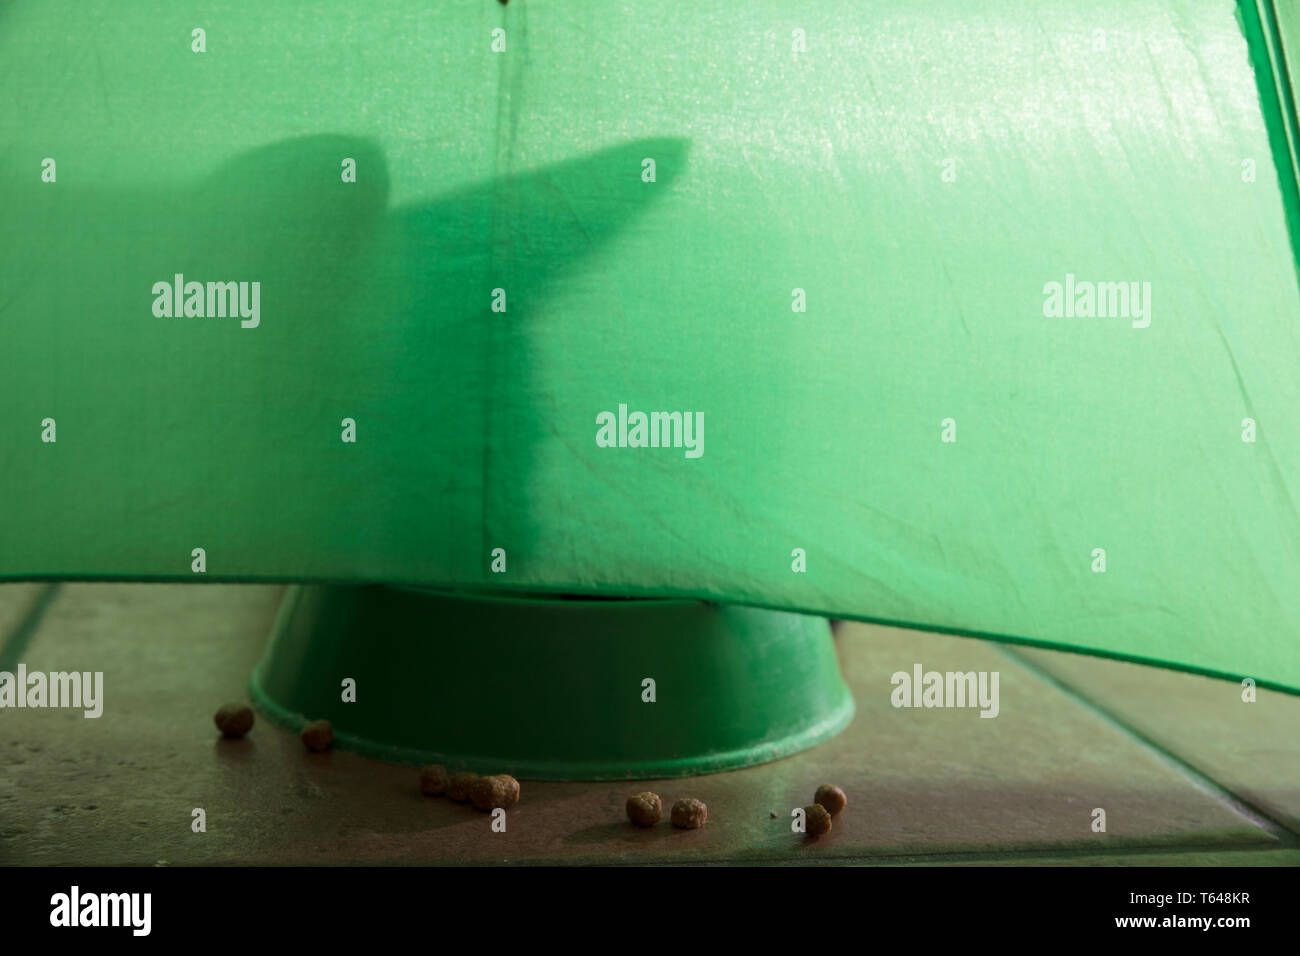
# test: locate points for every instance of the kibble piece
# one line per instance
(832, 798)
(817, 820)
(460, 785)
(645, 809)
(690, 814)
(234, 720)
(433, 780)
(318, 735)
(497, 792)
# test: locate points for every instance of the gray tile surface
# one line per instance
(924, 785)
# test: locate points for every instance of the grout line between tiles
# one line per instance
(20, 638)
(1254, 814)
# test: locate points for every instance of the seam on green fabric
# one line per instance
(1282, 57)
(1259, 23)
(18, 640)
(1240, 805)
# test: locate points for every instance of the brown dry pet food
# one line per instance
(644, 809)
(318, 735)
(234, 720)
(460, 785)
(832, 798)
(690, 814)
(433, 780)
(497, 792)
(817, 820)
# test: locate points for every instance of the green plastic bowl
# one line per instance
(552, 688)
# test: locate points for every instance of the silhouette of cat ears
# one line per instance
(556, 212)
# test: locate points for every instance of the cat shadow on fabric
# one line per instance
(382, 316)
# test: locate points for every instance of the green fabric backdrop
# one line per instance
(922, 171)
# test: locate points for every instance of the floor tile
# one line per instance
(1252, 749)
(922, 783)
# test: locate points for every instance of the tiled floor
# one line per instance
(1186, 772)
